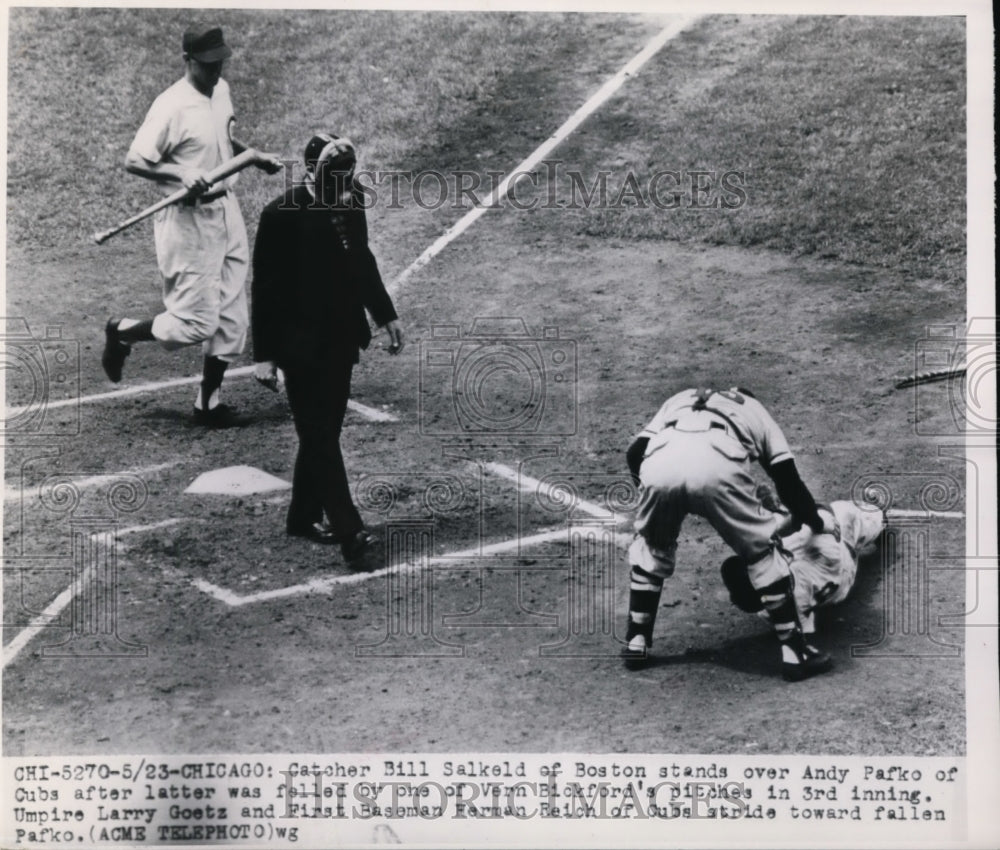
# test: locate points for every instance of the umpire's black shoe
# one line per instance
(316, 532)
(811, 662)
(115, 352)
(357, 547)
(636, 654)
(220, 416)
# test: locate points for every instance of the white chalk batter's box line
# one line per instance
(482, 552)
(480, 556)
(228, 597)
(54, 609)
(526, 483)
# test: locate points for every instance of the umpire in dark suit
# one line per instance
(313, 278)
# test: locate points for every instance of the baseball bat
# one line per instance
(929, 377)
(230, 166)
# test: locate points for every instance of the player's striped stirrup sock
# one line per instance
(779, 603)
(799, 658)
(643, 602)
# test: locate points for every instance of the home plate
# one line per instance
(236, 481)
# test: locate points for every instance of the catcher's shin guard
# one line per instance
(643, 602)
(800, 660)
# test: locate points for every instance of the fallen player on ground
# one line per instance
(823, 568)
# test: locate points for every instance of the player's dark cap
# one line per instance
(206, 44)
(337, 153)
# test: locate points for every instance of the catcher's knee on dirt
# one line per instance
(737, 580)
(643, 602)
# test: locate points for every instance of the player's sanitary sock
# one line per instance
(132, 330)
(211, 381)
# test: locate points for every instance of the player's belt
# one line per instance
(672, 424)
(713, 424)
(201, 200)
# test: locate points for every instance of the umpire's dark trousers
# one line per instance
(317, 395)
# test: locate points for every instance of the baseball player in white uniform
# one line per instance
(201, 243)
(822, 567)
(694, 457)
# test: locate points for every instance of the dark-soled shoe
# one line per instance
(355, 549)
(811, 662)
(636, 654)
(220, 416)
(317, 532)
(115, 352)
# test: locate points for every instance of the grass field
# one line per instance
(859, 167)
(849, 134)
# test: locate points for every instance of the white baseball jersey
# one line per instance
(825, 569)
(188, 128)
(741, 416)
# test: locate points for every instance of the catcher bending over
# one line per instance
(694, 457)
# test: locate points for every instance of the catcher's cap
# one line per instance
(206, 44)
(330, 148)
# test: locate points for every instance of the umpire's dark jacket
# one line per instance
(313, 277)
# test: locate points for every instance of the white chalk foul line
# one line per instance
(528, 484)
(527, 165)
(58, 605)
(892, 513)
(155, 386)
(321, 585)
(11, 494)
(531, 485)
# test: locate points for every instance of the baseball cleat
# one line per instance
(220, 416)
(811, 663)
(636, 654)
(316, 532)
(115, 352)
(355, 549)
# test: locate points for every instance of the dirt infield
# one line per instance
(495, 653)
(274, 675)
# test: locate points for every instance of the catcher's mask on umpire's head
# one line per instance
(336, 154)
(330, 162)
